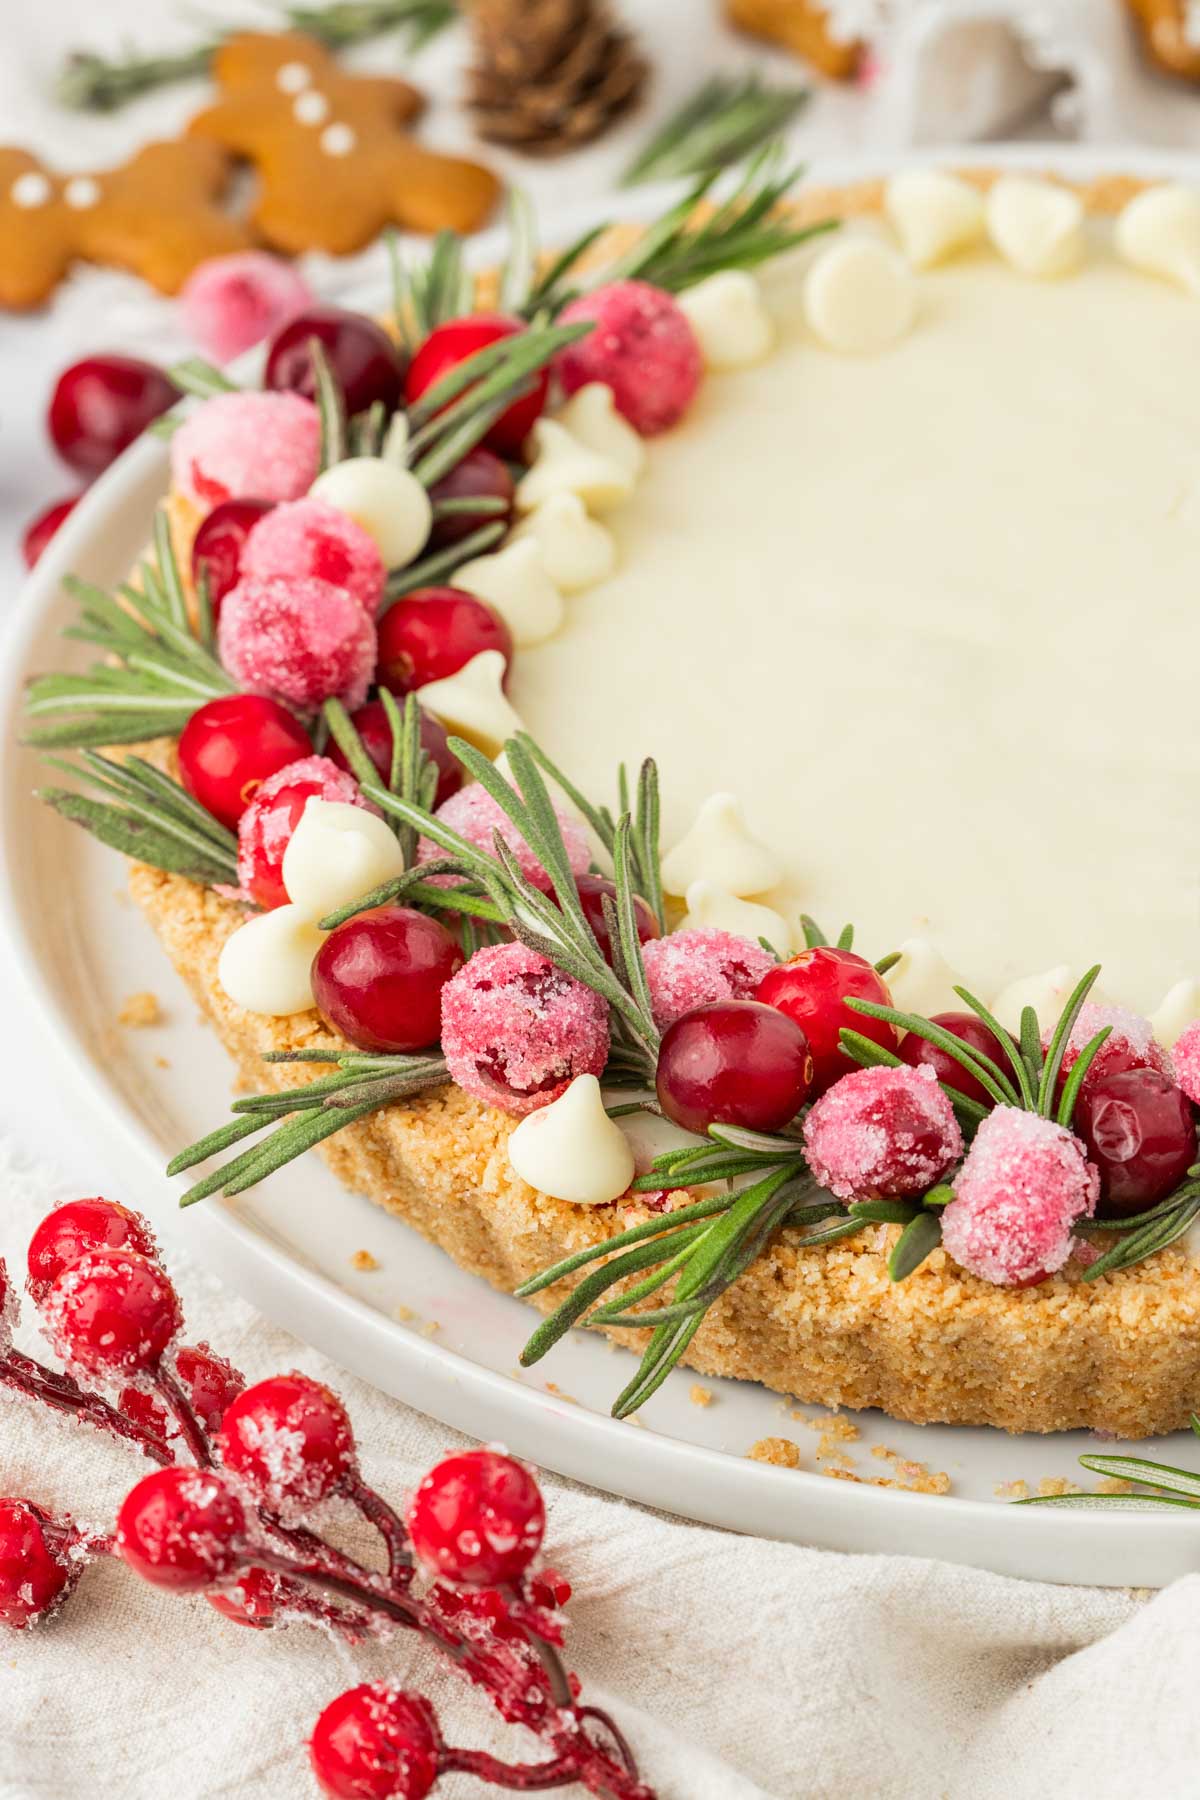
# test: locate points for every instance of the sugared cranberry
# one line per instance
(479, 818)
(182, 1529)
(374, 728)
(39, 531)
(101, 404)
(290, 1440)
(882, 1132)
(34, 1570)
(1026, 1183)
(456, 340)
(112, 1312)
(1130, 1044)
(253, 1601)
(970, 1030)
(210, 1383)
(432, 633)
(642, 346)
(592, 890)
(265, 828)
(477, 1517)
(479, 476)
(1140, 1132)
(218, 545)
(230, 746)
(376, 1743)
(378, 978)
(73, 1229)
(310, 537)
(364, 360)
(299, 639)
(516, 1031)
(733, 1062)
(812, 989)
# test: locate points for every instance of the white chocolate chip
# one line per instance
(516, 583)
(715, 907)
(563, 465)
(336, 854)
(1179, 1008)
(1159, 231)
(1035, 225)
(387, 501)
(310, 108)
(473, 703)
(338, 139)
(933, 213)
(266, 966)
(923, 981)
(591, 416)
(730, 319)
(31, 189)
(859, 296)
(293, 77)
(81, 193)
(719, 848)
(1047, 993)
(578, 551)
(572, 1150)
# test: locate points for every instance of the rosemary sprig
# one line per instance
(201, 379)
(427, 292)
(439, 565)
(724, 121)
(1166, 1485)
(141, 812)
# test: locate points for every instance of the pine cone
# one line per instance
(550, 74)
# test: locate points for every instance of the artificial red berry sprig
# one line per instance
(227, 1514)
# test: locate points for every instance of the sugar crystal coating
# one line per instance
(1024, 1186)
(516, 1031)
(247, 446)
(1187, 1062)
(265, 828)
(1131, 1043)
(301, 641)
(310, 537)
(474, 814)
(642, 346)
(882, 1132)
(693, 968)
(229, 303)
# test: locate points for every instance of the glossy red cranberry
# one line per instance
(374, 728)
(218, 544)
(210, 1383)
(378, 978)
(477, 1517)
(182, 1529)
(812, 989)
(39, 531)
(480, 475)
(365, 361)
(112, 1312)
(970, 1030)
(376, 1743)
(733, 1062)
(592, 890)
(290, 1440)
(76, 1227)
(253, 1601)
(431, 633)
(456, 340)
(101, 404)
(34, 1570)
(1140, 1132)
(229, 746)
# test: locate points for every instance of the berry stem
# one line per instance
(527, 1777)
(64, 1394)
(390, 1527)
(194, 1435)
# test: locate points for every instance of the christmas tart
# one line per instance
(887, 530)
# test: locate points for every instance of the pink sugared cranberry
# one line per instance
(237, 445)
(76, 1227)
(456, 340)
(882, 1132)
(365, 362)
(477, 1517)
(1140, 1131)
(1130, 1044)
(593, 889)
(1024, 1186)
(812, 989)
(40, 530)
(302, 641)
(516, 1031)
(687, 969)
(733, 1062)
(642, 347)
(1186, 1058)
(35, 1573)
(432, 633)
(101, 404)
(210, 1383)
(309, 537)
(378, 978)
(182, 1529)
(376, 1743)
(918, 1052)
(218, 544)
(374, 728)
(230, 746)
(289, 1439)
(477, 817)
(265, 828)
(112, 1312)
(230, 303)
(479, 476)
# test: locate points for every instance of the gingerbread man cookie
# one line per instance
(158, 216)
(334, 161)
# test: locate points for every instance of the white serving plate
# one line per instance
(79, 949)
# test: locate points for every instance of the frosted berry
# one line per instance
(365, 362)
(210, 1383)
(812, 989)
(1186, 1057)
(434, 632)
(101, 404)
(182, 1529)
(733, 1062)
(516, 1031)
(479, 476)
(452, 343)
(374, 728)
(302, 641)
(1024, 1186)
(253, 1600)
(35, 1573)
(76, 1227)
(476, 816)
(1131, 1044)
(378, 978)
(593, 889)
(230, 746)
(1140, 1132)
(691, 968)
(882, 1132)
(218, 544)
(290, 1440)
(310, 537)
(642, 347)
(478, 1518)
(970, 1030)
(266, 826)
(376, 1743)
(230, 303)
(40, 530)
(112, 1312)
(237, 445)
